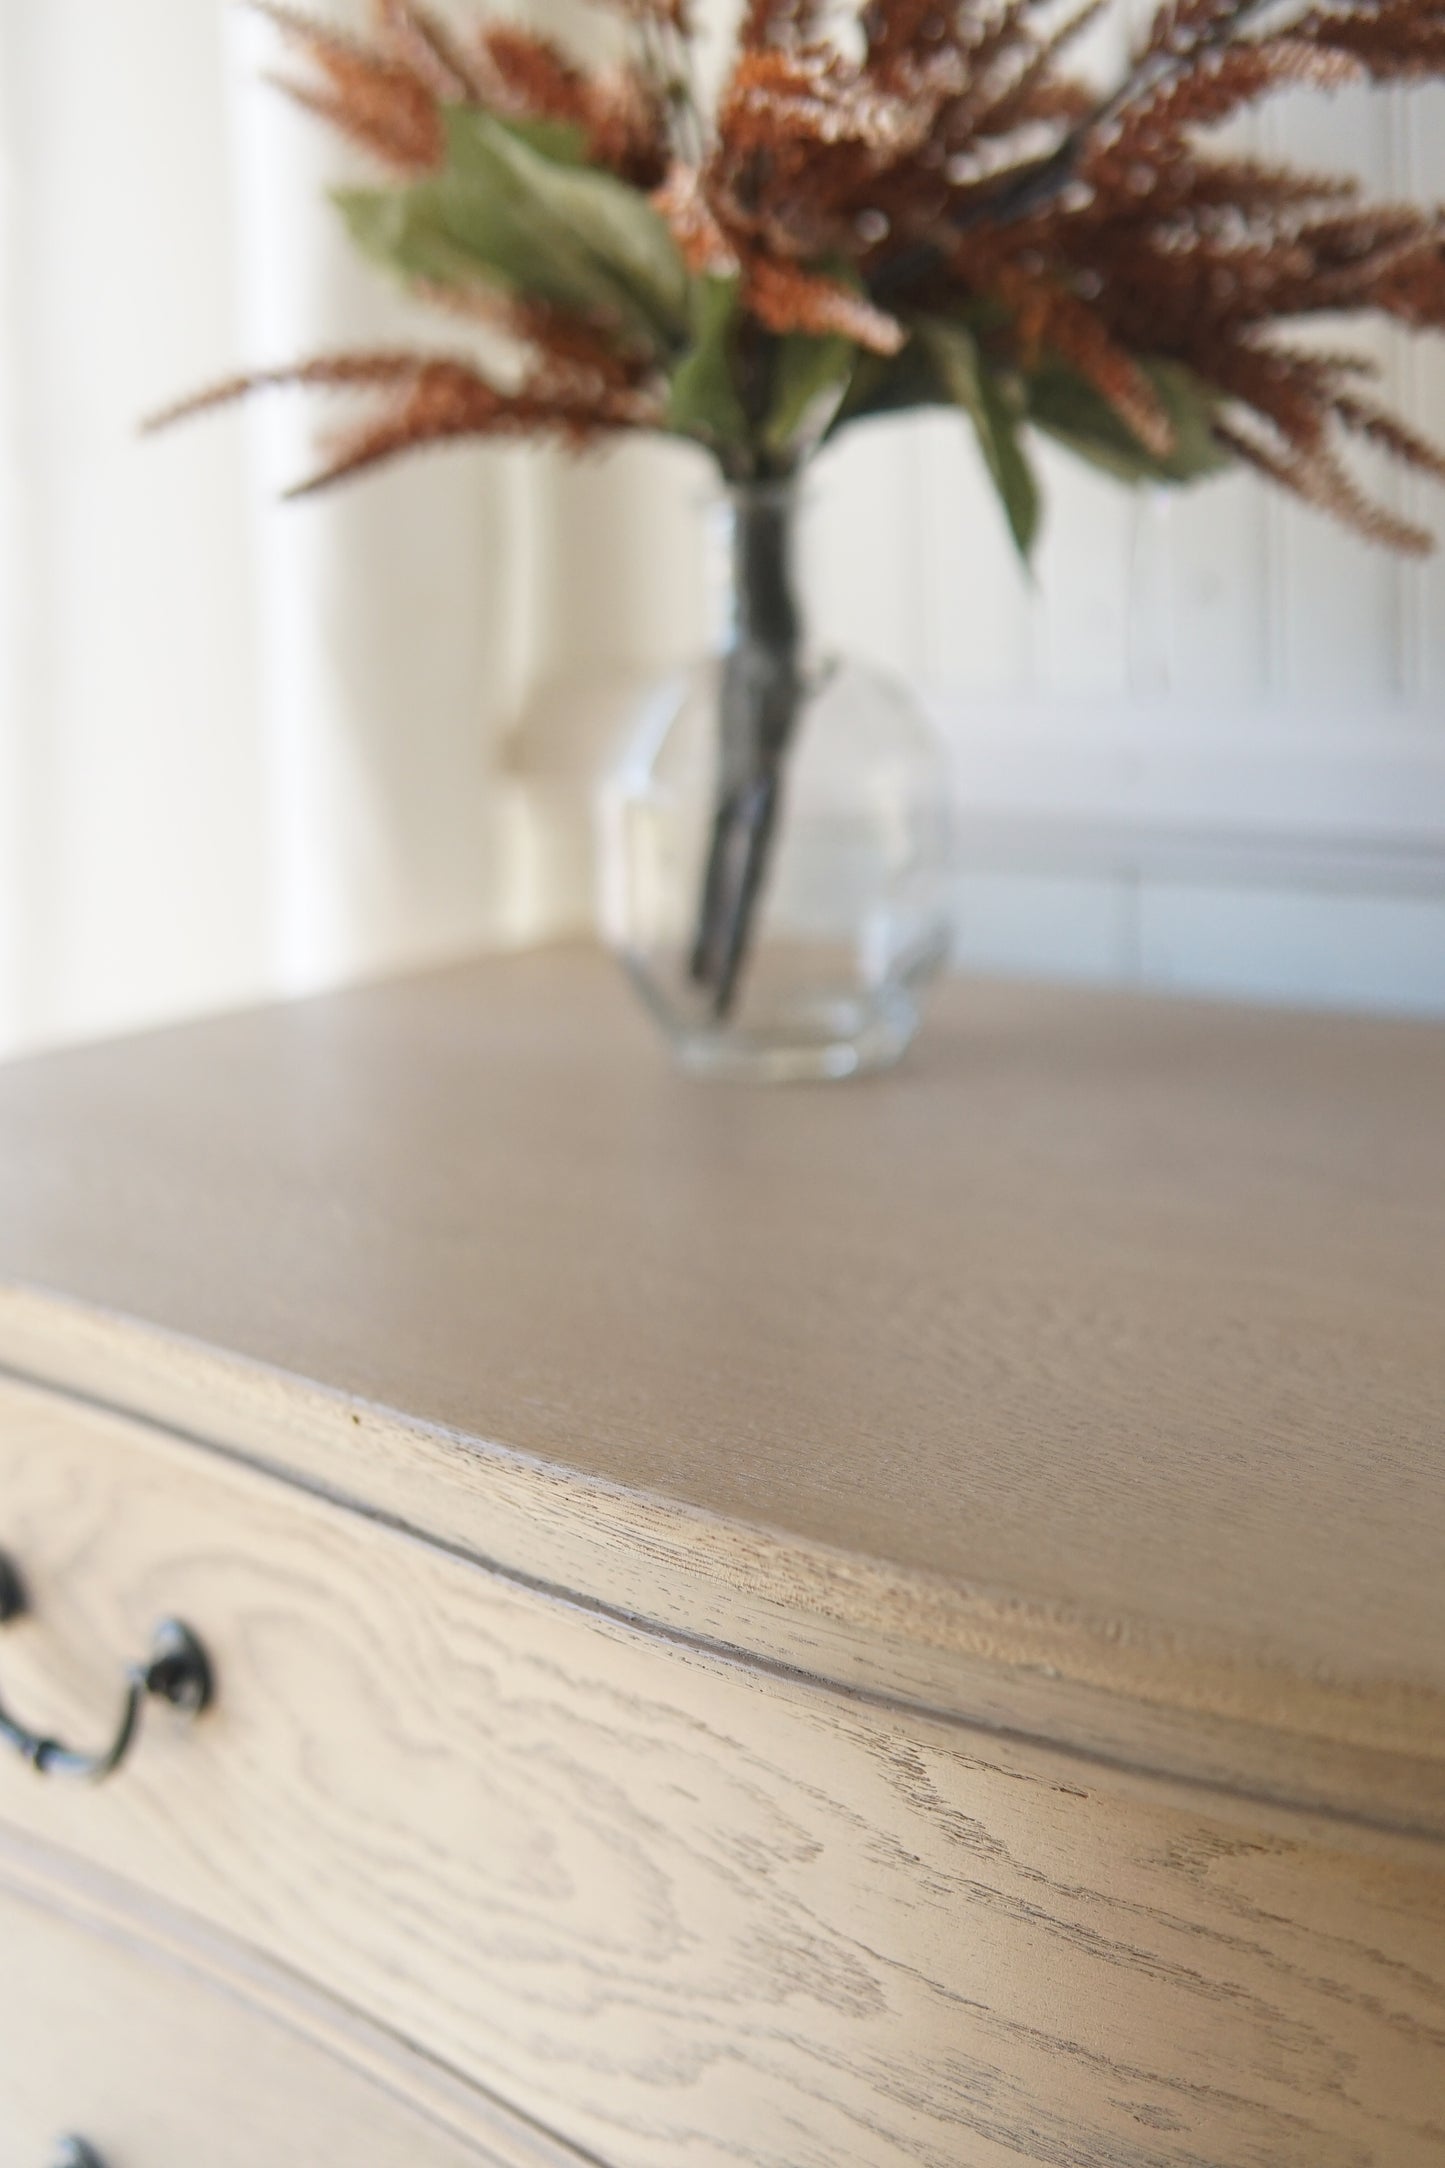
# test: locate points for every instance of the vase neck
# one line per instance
(759, 522)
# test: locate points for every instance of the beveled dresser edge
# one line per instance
(1231, 1732)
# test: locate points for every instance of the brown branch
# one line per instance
(326, 372)
(1319, 480)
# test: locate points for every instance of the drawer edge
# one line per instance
(1346, 1759)
(501, 2136)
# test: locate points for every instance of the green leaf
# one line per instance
(560, 140)
(506, 240)
(1080, 418)
(704, 400)
(961, 371)
(402, 230)
(459, 236)
(810, 377)
(507, 212)
(587, 223)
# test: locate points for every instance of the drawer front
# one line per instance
(159, 2046)
(677, 1909)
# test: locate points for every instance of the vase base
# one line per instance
(820, 1042)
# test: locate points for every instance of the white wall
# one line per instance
(1205, 750)
(243, 747)
(246, 748)
(126, 633)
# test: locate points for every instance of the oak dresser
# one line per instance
(552, 1615)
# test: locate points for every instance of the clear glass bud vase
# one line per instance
(773, 839)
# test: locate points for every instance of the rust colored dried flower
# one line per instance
(918, 205)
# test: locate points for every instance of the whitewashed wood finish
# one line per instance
(1084, 1381)
(682, 1909)
(852, 1624)
(167, 2047)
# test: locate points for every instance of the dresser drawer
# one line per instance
(680, 1909)
(160, 2046)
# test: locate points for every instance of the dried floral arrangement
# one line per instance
(886, 204)
(915, 203)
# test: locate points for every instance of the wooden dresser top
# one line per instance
(1086, 1377)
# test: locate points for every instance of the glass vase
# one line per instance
(773, 838)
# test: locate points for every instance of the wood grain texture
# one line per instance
(166, 2047)
(1084, 1379)
(678, 1909)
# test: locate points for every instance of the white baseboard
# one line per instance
(1261, 855)
(1349, 797)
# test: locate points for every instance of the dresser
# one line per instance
(551, 1615)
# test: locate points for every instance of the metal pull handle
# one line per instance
(75, 2153)
(176, 1669)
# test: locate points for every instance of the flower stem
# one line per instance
(761, 696)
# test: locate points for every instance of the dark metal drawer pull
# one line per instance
(75, 2153)
(176, 1669)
